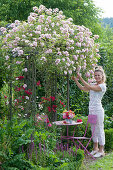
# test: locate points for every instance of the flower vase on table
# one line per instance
(68, 116)
(68, 121)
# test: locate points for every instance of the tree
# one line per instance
(83, 13)
(107, 21)
(14, 9)
(106, 61)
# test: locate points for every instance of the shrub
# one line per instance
(108, 123)
(16, 162)
(72, 161)
(109, 109)
(109, 139)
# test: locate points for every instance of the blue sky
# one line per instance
(106, 6)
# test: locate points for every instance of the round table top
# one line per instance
(69, 124)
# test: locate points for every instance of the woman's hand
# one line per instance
(74, 78)
(78, 75)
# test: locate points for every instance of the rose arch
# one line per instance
(48, 43)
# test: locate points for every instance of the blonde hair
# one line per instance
(100, 69)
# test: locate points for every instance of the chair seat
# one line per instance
(79, 138)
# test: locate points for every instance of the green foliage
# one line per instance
(109, 109)
(108, 122)
(71, 161)
(13, 135)
(19, 149)
(44, 158)
(14, 9)
(79, 100)
(106, 61)
(109, 139)
(15, 162)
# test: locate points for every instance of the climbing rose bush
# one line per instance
(55, 41)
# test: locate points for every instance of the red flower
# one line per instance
(49, 109)
(19, 88)
(53, 110)
(38, 83)
(62, 103)
(52, 98)
(64, 122)
(47, 120)
(20, 77)
(22, 88)
(43, 98)
(54, 106)
(5, 97)
(79, 120)
(28, 92)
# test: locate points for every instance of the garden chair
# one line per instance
(92, 119)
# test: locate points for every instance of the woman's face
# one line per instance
(98, 76)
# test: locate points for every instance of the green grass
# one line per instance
(104, 163)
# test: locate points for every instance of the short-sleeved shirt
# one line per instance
(96, 97)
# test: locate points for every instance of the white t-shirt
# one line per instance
(96, 97)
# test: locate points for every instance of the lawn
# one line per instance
(103, 163)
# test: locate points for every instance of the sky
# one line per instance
(106, 6)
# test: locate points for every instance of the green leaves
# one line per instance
(12, 10)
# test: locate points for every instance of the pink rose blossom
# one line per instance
(20, 52)
(25, 85)
(70, 71)
(7, 57)
(35, 9)
(18, 62)
(65, 72)
(25, 69)
(90, 80)
(49, 125)
(27, 97)
(96, 36)
(87, 74)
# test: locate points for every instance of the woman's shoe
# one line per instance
(94, 152)
(99, 154)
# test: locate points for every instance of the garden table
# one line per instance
(74, 123)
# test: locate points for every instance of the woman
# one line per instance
(96, 91)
